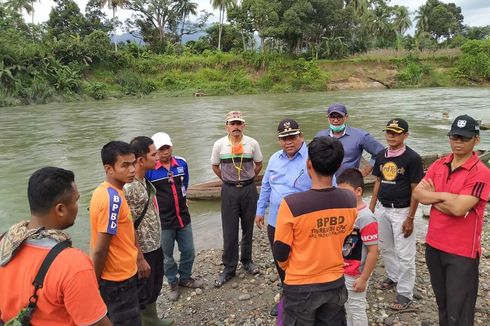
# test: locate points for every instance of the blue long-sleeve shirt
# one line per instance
(354, 141)
(282, 177)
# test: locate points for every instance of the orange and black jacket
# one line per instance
(310, 232)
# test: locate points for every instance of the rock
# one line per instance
(244, 297)
(198, 291)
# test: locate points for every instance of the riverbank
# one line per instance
(213, 74)
(247, 299)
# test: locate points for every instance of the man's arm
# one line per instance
(374, 197)
(372, 146)
(425, 193)
(144, 268)
(283, 236)
(456, 205)
(100, 251)
(407, 226)
(264, 199)
(258, 168)
(371, 260)
(217, 171)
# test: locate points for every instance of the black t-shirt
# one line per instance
(397, 174)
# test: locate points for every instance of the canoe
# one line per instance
(211, 190)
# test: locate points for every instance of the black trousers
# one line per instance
(238, 206)
(149, 288)
(121, 299)
(324, 308)
(454, 280)
(270, 234)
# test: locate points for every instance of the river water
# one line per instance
(71, 136)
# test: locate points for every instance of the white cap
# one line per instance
(160, 139)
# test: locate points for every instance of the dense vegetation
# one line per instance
(71, 56)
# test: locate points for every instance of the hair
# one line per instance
(112, 150)
(141, 145)
(47, 187)
(352, 177)
(326, 155)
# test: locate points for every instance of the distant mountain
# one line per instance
(128, 37)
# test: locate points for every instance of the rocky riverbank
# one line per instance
(246, 299)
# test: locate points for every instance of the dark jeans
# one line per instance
(454, 280)
(270, 234)
(121, 299)
(185, 242)
(237, 205)
(149, 288)
(324, 308)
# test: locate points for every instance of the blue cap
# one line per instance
(337, 108)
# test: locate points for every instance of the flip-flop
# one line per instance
(222, 279)
(401, 303)
(386, 284)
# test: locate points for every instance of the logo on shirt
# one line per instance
(390, 171)
(114, 206)
(328, 226)
(180, 169)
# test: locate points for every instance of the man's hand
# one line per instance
(407, 227)
(427, 185)
(360, 284)
(366, 170)
(259, 221)
(143, 268)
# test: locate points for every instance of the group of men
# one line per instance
(324, 238)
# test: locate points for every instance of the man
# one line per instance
(398, 170)
(170, 177)
(236, 159)
(457, 186)
(112, 244)
(141, 197)
(310, 232)
(285, 174)
(354, 140)
(70, 293)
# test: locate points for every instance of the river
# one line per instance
(70, 135)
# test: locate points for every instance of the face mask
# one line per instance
(337, 128)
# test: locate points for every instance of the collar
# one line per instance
(303, 152)
(470, 162)
(346, 132)
(173, 162)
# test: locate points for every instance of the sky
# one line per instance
(475, 12)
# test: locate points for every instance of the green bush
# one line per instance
(96, 90)
(474, 67)
(412, 71)
(134, 84)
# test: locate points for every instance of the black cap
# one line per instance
(288, 127)
(465, 126)
(397, 125)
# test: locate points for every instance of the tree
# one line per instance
(20, 5)
(66, 20)
(153, 17)
(401, 20)
(96, 18)
(114, 4)
(185, 8)
(438, 19)
(223, 6)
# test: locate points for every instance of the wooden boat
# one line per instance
(211, 190)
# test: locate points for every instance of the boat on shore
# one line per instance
(211, 190)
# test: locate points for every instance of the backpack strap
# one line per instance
(41, 273)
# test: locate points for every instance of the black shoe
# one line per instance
(222, 279)
(273, 311)
(250, 267)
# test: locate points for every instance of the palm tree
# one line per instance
(422, 17)
(20, 5)
(401, 20)
(360, 6)
(222, 5)
(113, 4)
(185, 8)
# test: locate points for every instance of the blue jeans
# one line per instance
(185, 244)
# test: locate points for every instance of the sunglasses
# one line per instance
(235, 123)
(460, 138)
(335, 117)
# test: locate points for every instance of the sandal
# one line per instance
(250, 267)
(386, 284)
(222, 279)
(401, 303)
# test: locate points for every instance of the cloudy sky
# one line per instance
(476, 12)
